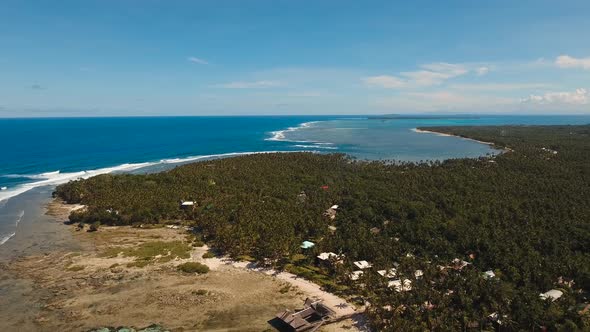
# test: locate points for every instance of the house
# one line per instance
(389, 274)
(375, 230)
(313, 315)
(356, 275)
(302, 197)
(307, 245)
(326, 256)
(332, 229)
(331, 212)
(418, 274)
(187, 204)
(362, 264)
(495, 318)
(489, 274)
(400, 285)
(565, 282)
(329, 258)
(458, 264)
(552, 295)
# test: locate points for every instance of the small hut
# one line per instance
(307, 245)
(362, 264)
(331, 212)
(552, 295)
(187, 205)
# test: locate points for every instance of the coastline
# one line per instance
(77, 287)
(424, 131)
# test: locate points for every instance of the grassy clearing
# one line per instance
(151, 252)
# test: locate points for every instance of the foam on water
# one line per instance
(281, 135)
(4, 239)
(316, 146)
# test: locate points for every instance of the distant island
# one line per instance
(421, 117)
(495, 242)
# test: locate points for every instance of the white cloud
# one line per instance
(429, 75)
(384, 81)
(250, 85)
(499, 86)
(197, 60)
(566, 61)
(443, 101)
(578, 97)
(482, 71)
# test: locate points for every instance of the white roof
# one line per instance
(334, 207)
(418, 274)
(460, 263)
(489, 274)
(391, 273)
(185, 203)
(326, 255)
(397, 284)
(362, 264)
(355, 275)
(552, 295)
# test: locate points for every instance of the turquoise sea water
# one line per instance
(45, 152)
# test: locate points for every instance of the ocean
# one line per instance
(43, 152)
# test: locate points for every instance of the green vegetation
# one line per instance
(76, 268)
(524, 214)
(151, 252)
(208, 254)
(193, 267)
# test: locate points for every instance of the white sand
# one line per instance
(339, 305)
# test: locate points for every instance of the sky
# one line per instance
(273, 57)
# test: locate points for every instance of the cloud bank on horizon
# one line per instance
(105, 58)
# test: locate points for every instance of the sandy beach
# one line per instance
(422, 131)
(74, 286)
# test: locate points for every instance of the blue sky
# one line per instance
(108, 57)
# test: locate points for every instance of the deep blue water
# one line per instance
(38, 152)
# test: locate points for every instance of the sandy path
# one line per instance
(342, 308)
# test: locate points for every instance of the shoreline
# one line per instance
(79, 288)
(424, 131)
(55, 178)
(491, 144)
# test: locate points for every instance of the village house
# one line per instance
(389, 274)
(418, 274)
(356, 275)
(552, 295)
(458, 264)
(400, 285)
(331, 212)
(187, 204)
(313, 315)
(328, 258)
(362, 264)
(307, 245)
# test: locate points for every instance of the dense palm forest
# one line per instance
(524, 214)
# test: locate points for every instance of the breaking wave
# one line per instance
(57, 177)
(280, 135)
(4, 239)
